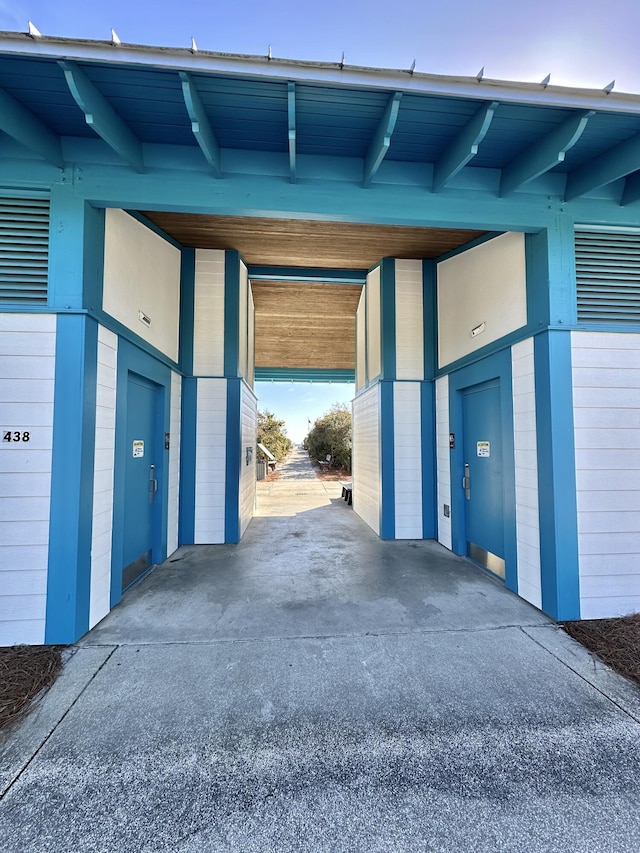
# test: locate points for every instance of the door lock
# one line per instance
(466, 482)
(153, 483)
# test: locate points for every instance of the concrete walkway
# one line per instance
(316, 689)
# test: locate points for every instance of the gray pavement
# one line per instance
(316, 689)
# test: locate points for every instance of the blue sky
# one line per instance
(579, 42)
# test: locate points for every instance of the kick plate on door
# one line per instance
(490, 561)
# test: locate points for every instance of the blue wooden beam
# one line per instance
(304, 374)
(464, 147)
(21, 124)
(291, 95)
(631, 191)
(200, 125)
(382, 139)
(101, 117)
(544, 154)
(616, 163)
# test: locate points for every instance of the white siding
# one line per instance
(372, 289)
(361, 343)
(606, 398)
(174, 463)
(102, 527)
(526, 472)
(211, 434)
(485, 284)
(409, 320)
(366, 457)
(443, 460)
(142, 273)
(251, 346)
(248, 420)
(407, 440)
(27, 375)
(208, 325)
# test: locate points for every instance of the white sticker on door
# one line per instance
(138, 449)
(483, 448)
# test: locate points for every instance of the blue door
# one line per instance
(141, 483)
(484, 509)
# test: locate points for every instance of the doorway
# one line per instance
(483, 476)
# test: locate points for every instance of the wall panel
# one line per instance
(366, 457)
(103, 472)
(211, 437)
(409, 320)
(526, 472)
(208, 332)
(142, 273)
(27, 369)
(407, 433)
(606, 393)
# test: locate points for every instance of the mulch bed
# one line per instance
(615, 641)
(24, 672)
(333, 474)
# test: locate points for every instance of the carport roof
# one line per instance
(53, 89)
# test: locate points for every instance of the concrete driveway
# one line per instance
(316, 689)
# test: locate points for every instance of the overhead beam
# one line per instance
(382, 139)
(631, 190)
(200, 125)
(616, 163)
(291, 107)
(464, 147)
(101, 117)
(544, 154)
(20, 124)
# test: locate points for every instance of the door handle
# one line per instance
(153, 483)
(466, 482)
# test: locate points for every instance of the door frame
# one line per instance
(493, 367)
(133, 360)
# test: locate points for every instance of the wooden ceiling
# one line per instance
(305, 325)
(301, 243)
(299, 324)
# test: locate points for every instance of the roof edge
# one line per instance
(330, 73)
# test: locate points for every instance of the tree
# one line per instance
(331, 434)
(273, 434)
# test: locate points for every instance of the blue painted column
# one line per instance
(71, 514)
(76, 261)
(231, 372)
(387, 375)
(552, 304)
(428, 402)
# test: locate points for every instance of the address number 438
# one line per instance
(15, 435)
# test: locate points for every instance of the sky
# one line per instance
(579, 42)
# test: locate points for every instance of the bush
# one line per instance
(331, 434)
(272, 433)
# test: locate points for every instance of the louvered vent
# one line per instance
(24, 250)
(608, 276)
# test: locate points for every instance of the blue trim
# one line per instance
(388, 318)
(556, 476)
(484, 238)
(233, 462)
(320, 274)
(93, 255)
(66, 243)
(429, 318)
(132, 359)
(496, 366)
(231, 313)
(188, 434)
(71, 514)
(387, 463)
(428, 436)
(187, 309)
(304, 374)
(142, 219)
(124, 333)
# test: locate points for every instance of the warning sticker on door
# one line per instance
(138, 449)
(483, 448)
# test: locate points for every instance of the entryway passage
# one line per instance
(315, 688)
